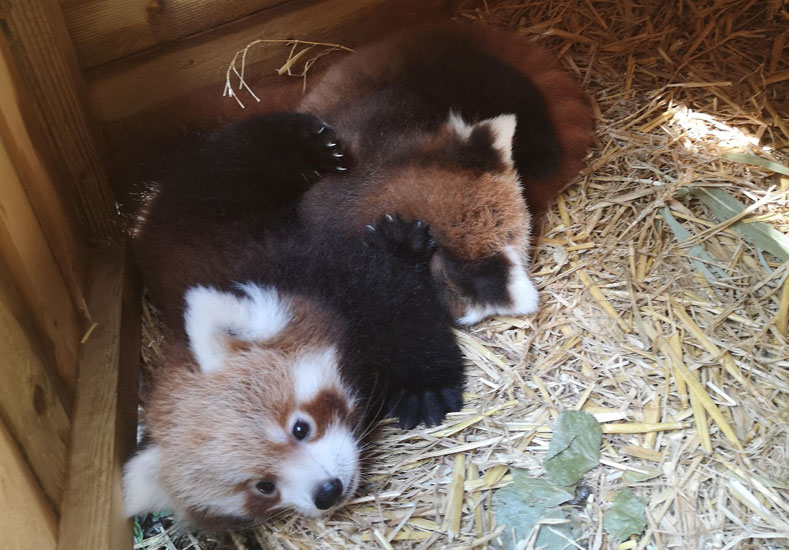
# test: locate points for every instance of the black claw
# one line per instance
(408, 412)
(452, 398)
(408, 240)
(322, 152)
(393, 403)
(434, 410)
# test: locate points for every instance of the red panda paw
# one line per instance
(324, 152)
(429, 406)
(407, 240)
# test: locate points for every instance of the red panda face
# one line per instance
(462, 181)
(253, 418)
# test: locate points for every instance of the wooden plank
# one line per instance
(128, 87)
(29, 151)
(27, 520)
(105, 30)
(27, 257)
(104, 417)
(42, 49)
(30, 404)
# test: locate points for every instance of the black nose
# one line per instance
(328, 494)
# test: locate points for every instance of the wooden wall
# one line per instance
(56, 209)
(155, 68)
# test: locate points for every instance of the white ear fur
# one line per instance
(141, 490)
(502, 128)
(212, 316)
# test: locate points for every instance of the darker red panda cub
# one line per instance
(456, 126)
(284, 343)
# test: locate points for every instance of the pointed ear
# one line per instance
(216, 321)
(490, 135)
(141, 490)
(502, 129)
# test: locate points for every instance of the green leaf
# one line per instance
(724, 206)
(520, 519)
(698, 256)
(535, 491)
(634, 477)
(757, 161)
(627, 515)
(574, 448)
(137, 530)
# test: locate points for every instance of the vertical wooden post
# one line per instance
(104, 423)
(43, 51)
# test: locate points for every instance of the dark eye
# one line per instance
(266, 487)
(301, 430)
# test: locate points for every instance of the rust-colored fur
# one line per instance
(385, 62)
(434, 120)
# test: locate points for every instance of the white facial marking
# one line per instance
(524, 298)
(230, 505)
(316, 371)
(335, 455)
(212, 316)
(141, 490)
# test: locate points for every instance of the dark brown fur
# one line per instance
(384, 63)
(470, 174)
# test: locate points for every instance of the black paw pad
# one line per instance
(428, 406)
(405, 239)
(324, 152)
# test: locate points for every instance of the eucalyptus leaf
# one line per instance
(634, 477)
(520, 519)
(537, 491)
(724, 206)
(574, 448)
(627, 515)
(757, 161)
(698, 256)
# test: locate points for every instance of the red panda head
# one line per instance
(250, 417)
(461, 179)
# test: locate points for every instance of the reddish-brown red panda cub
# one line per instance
(454, 125)
(284, 343)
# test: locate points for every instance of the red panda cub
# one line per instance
(284, 344)
(468, 128)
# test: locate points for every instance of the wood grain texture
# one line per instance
(31, 265)
(104, 421)
(30, 404)
(27, 520)
(42, 49)
(28, 149)
(129, 87)
(105, 30)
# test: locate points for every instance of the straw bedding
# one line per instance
(676, 342)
